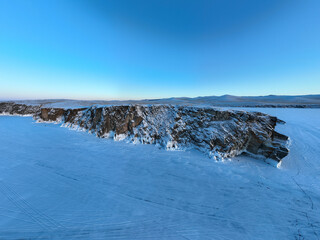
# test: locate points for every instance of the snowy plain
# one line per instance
(56, 183)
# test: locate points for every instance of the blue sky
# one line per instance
(124, 49)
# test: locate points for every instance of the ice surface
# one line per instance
(56, 183)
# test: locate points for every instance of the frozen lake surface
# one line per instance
(56, 183)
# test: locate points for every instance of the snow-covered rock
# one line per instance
(219, 133)
(12, 108)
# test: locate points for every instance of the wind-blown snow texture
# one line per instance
(62, 184)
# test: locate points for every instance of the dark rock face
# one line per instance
(12, 108)
(219, 133)
(51, 114)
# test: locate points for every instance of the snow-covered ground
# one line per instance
(56, 183)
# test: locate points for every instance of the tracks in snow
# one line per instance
(41, 219)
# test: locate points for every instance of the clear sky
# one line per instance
(133, 49)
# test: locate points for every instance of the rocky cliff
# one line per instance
(12, 108)
(219, 133)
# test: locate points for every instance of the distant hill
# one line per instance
(298, 101)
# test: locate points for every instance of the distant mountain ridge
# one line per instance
(298, 101)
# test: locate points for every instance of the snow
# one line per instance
(56, 183)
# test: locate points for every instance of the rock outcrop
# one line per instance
(219, 133)
(12, 108)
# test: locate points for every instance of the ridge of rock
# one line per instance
(219, 133)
